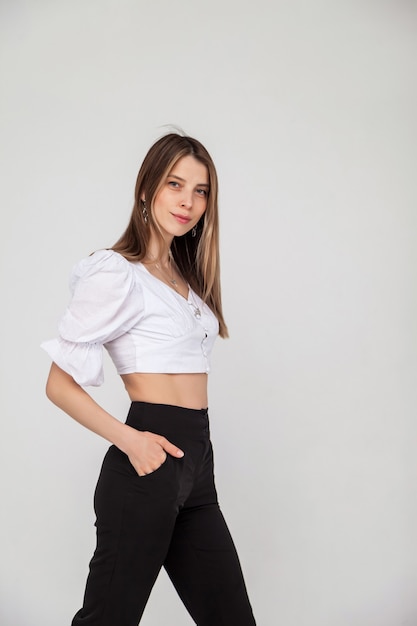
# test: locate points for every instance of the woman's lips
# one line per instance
(182, 219)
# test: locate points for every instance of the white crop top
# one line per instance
(145, 325)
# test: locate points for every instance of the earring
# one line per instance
(144, 212)
(194, 231)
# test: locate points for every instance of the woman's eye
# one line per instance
(174, 184)
(202, 192)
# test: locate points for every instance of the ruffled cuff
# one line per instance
(82, 361)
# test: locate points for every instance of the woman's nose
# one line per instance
(187, 201)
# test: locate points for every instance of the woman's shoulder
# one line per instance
(105, 258)
(105, 264)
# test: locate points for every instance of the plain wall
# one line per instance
(308, 109)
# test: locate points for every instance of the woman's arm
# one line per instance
(146, 451)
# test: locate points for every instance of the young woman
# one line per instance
(154, 302)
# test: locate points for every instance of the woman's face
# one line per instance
(182, 199)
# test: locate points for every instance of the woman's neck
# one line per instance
(159, 253)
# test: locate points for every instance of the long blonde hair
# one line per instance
(197, 257)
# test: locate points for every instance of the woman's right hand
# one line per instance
(148, 451)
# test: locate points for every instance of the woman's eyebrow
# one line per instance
(184, 181)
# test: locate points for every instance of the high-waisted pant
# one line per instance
(168, 518)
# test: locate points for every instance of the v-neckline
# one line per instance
(172, 289)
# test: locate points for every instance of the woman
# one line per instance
(153, 300)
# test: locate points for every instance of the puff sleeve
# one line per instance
(106, 303)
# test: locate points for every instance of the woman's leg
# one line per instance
(204, 567)
(135, 519)
(202, 561)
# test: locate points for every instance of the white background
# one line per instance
(309, 111)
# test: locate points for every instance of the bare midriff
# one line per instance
(186, 390)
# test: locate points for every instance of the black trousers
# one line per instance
(168, 518)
